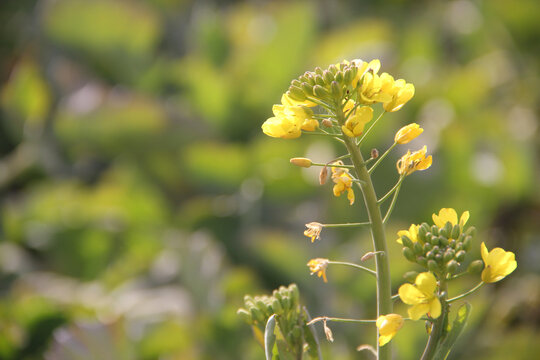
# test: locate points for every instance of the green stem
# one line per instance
(333, 165)
(467, 293)
(393, 203)
(353, 265)
(381, 158)
(321, 103)
(384, 302)
(438, 326)
(325, 318)
(346, 225)
(370, 127)
(398, 184)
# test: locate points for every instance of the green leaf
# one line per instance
(269, 337)
(444, 348)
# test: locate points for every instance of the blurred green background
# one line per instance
(140, 200)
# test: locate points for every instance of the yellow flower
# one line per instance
(287, 101)
(354, 126)
(408, 133)
(399, 93)
(373, 88)
(412, 234)
(313, 230)
(342, 182)
(388, 326)
(288, 121)
(498, 264)
(450, 215)
(410, 162)
(422, 296)
(364, 66)
(318, 266)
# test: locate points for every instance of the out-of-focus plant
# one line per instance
(338, 103)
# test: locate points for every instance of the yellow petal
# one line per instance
(464, 218)
(434, 308)
(445, 215)
(410, 295)
(426, 283)
(484, 251)
(415, 312)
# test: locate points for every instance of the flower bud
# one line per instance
(318, 70)
(422, 231)
(296, 83)
(471, 231)
(438, 258)
(328, 76)
(443, 241)
(430, 255)
(456, 231)
(434, 230)
(460, 255)
(294, 294)
(308, 89)
(301, 162)
(427, 247)
(327, 123)
(276, 307)
(257, 315)
(319, 80)
(467, 243)
(452, 266)
(320, 92)
(407, 133)
(452, 243)
(339, 77)
(459, 246)
(245, 315)
(449, 255)
(432, 265)
(323, 175)
(435, 240)
(421, 261)
(476, 267)
(418, 250)
(406, 241)
(333, 69)
(336, 90)
(409, 254)
(296, 93)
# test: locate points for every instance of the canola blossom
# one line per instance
(450, 215)
(388, 326)
(498, 264)
(411, 162)
(318, 266)
(422, 296)
(412, 234)
(342, 182)
(408, 133)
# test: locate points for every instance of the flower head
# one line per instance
(388, 326)
(400, 92)
(342, 182)
(410, 162)
(354, 126)
(412, 234)
(422, 296)
(313, 230)
(450, 215)
(374, 88)
(289, 119)
(498, 264)
(408, 133)
(318, 266)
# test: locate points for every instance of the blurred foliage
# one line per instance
(140, 200)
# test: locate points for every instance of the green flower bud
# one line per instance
(421, 261)
(422, 231)
(460, 255)
(337, 92)
(443, 241)
(318, 71)
(459, 246)
(467, 243)
(409, 254)
(320, 92)
(452, 243)
(452, 266)
(449, 255)
(296, 83)
(245, 315)
(349, 75)
(427, 247)
(456, 230)
(435, 240)
(286, 304)
(333, 69)
(406, 241)
(418, 250)
(438, 258)
(257, 315)
(339, 77)
(296, 93)
(308, 89)
(297, 332)
(436, 249)
(319, 80)
(410, 276)
(432, 265)
(294, 294)
(476, 267)
(434, 230)
(310, 78)
(328, 77)
(276, 307)
(446, 231)
(471, 231)
(430, 255)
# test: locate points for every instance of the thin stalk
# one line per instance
(393, 203)
(346, 225)
(314, 333)
(398, 184)
(465, 294)
(384, 302)
(353, 265)
(333, 165)
(438, 326)
(325, 318)
(381, 158)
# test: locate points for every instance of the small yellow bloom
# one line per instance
(342, 182)
(410, 162)
(400, 93)
(498, 264)
(408, 133)
(412, 234)
(373, 89)
(318, 266)
(288, 121)
(388, 326)
(422, 296)
(450, 215)
(313, 230)
(301, 162)
(363, 67)
(354, 126)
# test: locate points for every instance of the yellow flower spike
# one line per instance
(410, 162)
(313, 230)
(388, 326)
(318, 266)
(412, 234)
(450, 215)
(400, 94)
(422, 296)
(342, 182)
(408, 133)
(498, 264)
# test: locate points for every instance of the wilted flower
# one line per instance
(422, 296)
(313, 230)
(318, 266)
(498, 264)
(410, 162)
(342, 182)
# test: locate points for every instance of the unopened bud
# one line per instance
(410, 276)
(409, 254)
(456, 230)
(369, 255)
(432, 265)
(374, 153)
(296, 93)
(460, 255)
(327, 123)
(323, 175)
(328, 332)
(476, 266)
(302, 162)
(452, 266)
